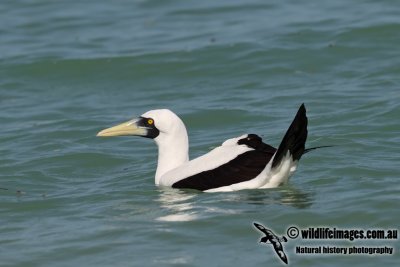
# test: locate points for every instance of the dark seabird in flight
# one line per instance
(274, 241)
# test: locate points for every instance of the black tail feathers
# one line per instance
(294, 139)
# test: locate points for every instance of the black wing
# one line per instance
(261, 228)
(243, 168)
(266, 231)
(279, 250)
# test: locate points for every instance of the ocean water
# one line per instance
(71, 68)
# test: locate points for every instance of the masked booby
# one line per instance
(244, 162)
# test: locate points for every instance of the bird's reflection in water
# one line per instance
(286, 195)
(178, 203)
(189, 205)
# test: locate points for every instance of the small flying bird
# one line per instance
(274, 240)
(244, 162)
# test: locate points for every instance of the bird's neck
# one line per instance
(173, 151)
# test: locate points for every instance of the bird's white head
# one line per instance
(167, 123)
(155, 124)
(168, 131)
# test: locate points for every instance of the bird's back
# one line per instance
(238, 161)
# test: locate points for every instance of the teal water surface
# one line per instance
(70, 68)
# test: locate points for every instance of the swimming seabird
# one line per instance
(244, 162)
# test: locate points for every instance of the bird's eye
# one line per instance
(150, 121)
